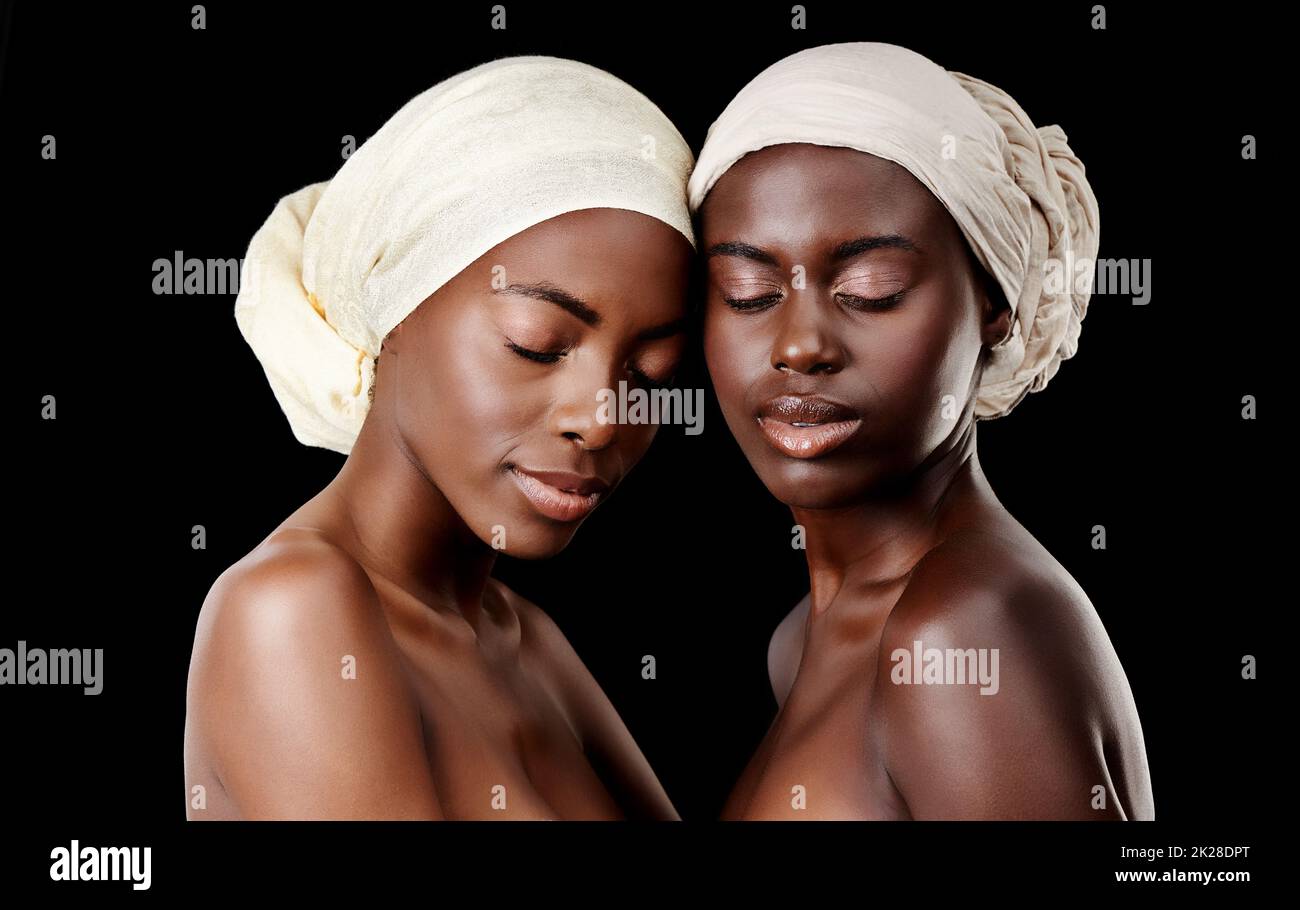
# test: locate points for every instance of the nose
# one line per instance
(575, 418)
(804, 343)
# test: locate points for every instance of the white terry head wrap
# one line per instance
(461, 167)
(1017, 192)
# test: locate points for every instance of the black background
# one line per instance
(174, 139)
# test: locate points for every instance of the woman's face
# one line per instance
(495, 376)
(844, 320)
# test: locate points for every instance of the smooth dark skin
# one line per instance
(905, 538)
(461, 685)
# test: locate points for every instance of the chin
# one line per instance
(813, 485)
(538, 542)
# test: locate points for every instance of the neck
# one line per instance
(403, 526)
(882, 537)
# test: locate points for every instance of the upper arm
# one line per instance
(1028, 749)
(785, 650)
(606, 741)
(300, 692)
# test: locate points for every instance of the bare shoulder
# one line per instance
(296, 589)
(1004, 584)
(1047, 726)
(297, 692)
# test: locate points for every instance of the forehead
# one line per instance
(795, 192)
(604, 226)
(599, 245)
(626, 266)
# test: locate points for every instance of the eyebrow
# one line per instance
(851, 248)
(572, 304)
(846, 250)
(557, 296)
(742, 250)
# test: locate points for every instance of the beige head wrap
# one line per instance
(1017, 192)
(461, 167)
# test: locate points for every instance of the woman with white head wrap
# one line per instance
(892, 253)
(512, 241)
(466, 164)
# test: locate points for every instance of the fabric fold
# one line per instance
(460, 168)
(1017, 192)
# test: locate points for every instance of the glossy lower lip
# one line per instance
(807, 442)
(552, 501)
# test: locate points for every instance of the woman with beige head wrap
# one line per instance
(446, 311)
(892, 254)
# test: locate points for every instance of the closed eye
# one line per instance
(871, 303)
(750, 304)
(548, 357)
(535, 356)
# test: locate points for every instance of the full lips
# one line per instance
(553, 502)
(807, 441)
(806, 426)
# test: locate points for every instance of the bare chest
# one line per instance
(820, 758)
(499, 741)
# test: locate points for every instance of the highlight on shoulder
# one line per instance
(1000, 694)
(297, 702)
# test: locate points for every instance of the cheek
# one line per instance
(922, 358)
(733, 356)
(456, 403)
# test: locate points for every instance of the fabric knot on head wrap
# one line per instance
(462, 167)
(1017, 192)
